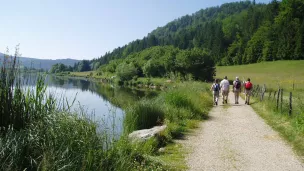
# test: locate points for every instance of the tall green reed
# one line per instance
(19, 107)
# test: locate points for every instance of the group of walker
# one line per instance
(236, 89)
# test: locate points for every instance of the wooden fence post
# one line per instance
(263, 92)
(290, 103)
(269, 95)
(274, 96)
(256, 90)
(252, 91)
(278, 97)
(281, 100)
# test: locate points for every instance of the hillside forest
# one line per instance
(235, 33)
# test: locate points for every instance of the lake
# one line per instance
(101, 102)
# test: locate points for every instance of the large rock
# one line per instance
(145, 134)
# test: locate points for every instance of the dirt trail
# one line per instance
(236, 138)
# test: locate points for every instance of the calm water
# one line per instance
(101, 102)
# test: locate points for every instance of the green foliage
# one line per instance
(19, 108)
(190, 100)
(153, 68)
(59, 67)
(84, 65)
(195, 62)
(126, 71)
(177, 99)
(36, 134)
(162, 61)
(145, 114)
(234, 33)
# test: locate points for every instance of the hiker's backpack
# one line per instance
(216, 87)
(248, 85)
(237, 84)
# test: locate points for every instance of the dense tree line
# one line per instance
(233, 33)
(162, 61)
(59, 67)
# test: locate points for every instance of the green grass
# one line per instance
(154, 81)
(174, 157)
(141, 81)
(274, 74)
(283, 73)
(91, 74)
(143, 115)
(289, 127)
(181, 108)
(37, 134)
(60, 140)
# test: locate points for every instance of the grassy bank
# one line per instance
(138, 82)
(92, 74)
(179, 105)
(180, 108)
(36, 134)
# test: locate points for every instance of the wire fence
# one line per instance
(284, 102)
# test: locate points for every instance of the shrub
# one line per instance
(126, 71)
(144, 114)
(177, 99)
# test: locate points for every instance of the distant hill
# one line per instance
(234, 33)
(45, 64)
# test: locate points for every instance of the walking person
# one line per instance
(225, 89)
(236, 89)
(215, 88)
(248, 88)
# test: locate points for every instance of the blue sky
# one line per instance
(86, 29)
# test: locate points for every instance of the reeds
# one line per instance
(36, 134)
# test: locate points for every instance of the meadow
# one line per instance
(287, 75)
(273, 74)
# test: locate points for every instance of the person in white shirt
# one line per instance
(225, 89)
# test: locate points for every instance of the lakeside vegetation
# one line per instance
(37, 134)
(156, 62)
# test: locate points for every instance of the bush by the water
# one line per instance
(144, 114)
(176, 107)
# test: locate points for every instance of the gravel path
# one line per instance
(236, 138)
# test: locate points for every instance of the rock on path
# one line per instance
(236, 138)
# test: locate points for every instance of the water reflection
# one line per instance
(102, 102)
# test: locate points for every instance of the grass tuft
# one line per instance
(143, 115)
